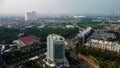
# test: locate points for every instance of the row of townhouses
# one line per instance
(106, 45)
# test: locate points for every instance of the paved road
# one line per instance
(75, 24)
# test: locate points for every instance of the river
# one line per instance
(83, 63)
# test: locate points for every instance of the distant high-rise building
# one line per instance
(55, 50)
(31, 15)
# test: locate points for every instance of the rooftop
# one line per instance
(27, 39)
(56, 37)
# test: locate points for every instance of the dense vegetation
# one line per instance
(8, 35)
(72, 62)
(65, 32)
(31, 64)
(43, 33)
(93, 25)
(23, 53)
(106, 59)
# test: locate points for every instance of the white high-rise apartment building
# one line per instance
(55, 50)
(31, 15)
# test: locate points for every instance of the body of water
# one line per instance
(83, 63)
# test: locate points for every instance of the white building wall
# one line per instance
(51, 41)
(31, 15)
(104, 45)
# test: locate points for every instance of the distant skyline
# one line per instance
(60, 6)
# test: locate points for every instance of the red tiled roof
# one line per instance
(27, 40)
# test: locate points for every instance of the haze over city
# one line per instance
(60, 6)
(59, 33)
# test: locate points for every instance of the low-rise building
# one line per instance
(106, 45)
(102, 34)
(69, 26)
(22, 41)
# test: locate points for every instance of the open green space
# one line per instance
(93, 25)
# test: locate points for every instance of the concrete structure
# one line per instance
(34, 58)
(79, 16)
(31, 16)
(2, 48)
(55, 50)
(115, 27)
(69, 26)
(102, 34)
(106, 45)
(83, 35)
(42, 26)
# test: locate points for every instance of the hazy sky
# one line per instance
(59, 6)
